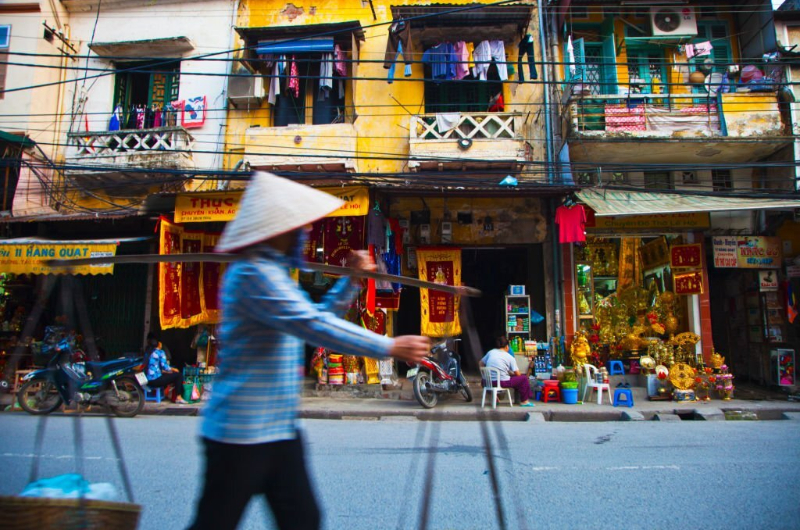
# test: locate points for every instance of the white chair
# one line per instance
(590, 374)
(491, 381)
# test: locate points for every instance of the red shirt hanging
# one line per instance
(571, 224)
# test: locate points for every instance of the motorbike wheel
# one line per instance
(427, 398)
(39, 396)
(131, 398)
(465, 390)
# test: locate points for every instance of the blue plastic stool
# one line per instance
(152, 394)
(615, 368)
(619, 392)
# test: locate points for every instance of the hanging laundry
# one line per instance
(131, 122)
(447, 120)
(406, 73)
(462, 56)
(526, 48)
(139, 118)
(442, 59)
(399, 33)
(339, 61)
(470, 53)
(274, 84)
(157, 118)
(325, 76)
(571, 57)
(149, 117)
(484, 53)
(114, 123)
(294, 80)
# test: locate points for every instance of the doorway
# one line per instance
(491, 270)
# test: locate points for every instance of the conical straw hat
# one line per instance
(272, 206)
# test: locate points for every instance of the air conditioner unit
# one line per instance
(673, 21)
(245, 91)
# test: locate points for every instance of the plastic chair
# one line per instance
(491, 381)
(615, 368)
(551, 392)
(623, 392)
(152, 394)
(590, 373)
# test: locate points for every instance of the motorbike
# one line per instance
(439, 373)
(115, 384)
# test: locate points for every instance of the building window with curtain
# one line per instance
(721, 179)
(144, 93)
(306, 79)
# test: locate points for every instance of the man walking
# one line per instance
(249, 428)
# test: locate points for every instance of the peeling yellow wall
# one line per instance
(383, 109)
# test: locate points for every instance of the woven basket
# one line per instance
(37, 513)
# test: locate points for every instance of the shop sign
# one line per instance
(684, 221)
(29, 258)
(203, 207)
(793, 271)
(688, 283)
(686, 256)
(654, 253)
(767, 281)
(747, 252)
(439, 311)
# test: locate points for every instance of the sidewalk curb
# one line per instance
(709, 414)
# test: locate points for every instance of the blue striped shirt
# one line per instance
(266, 320)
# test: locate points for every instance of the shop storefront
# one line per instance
(637, 292)
(25, 279)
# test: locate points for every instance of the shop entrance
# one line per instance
(491, 270)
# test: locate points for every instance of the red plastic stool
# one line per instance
(551, 392)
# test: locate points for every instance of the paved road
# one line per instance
(556, 475)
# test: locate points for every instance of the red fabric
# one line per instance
(371, 285)
(498, 105)
(571, 224)
(397, 230)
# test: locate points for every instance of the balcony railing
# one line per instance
(676, 116)
(139, 141)
(472, 126)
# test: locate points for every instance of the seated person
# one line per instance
(159, 373)
(510, 377)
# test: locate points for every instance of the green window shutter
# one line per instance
(580, 59)
(609, 69)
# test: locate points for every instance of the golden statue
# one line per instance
(580, 349)
(717, 360)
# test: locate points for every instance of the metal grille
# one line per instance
(594, 69)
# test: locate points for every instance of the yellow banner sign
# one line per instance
(202, 207)
(439, 311)
(29, 258)
(656, 221)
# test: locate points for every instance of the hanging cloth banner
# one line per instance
(187, 292)
(204, 207)
(28, 257)
(439, 311)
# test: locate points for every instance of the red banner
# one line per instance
(439, 310)
(191, 243)
(187, 292)
(688, 283)
(686, 256)
(342, 235)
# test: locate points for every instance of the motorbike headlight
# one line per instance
(28, 377)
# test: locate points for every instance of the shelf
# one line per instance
(523, 332)
(585, 316)
(614, 278)
(517, 296)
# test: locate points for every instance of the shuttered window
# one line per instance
(5, 40)
(147, 84)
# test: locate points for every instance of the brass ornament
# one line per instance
(682, 376)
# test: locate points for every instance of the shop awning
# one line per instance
(20, 139)
(607, 202)
(168, 47)
(322, 45)
(27, 256)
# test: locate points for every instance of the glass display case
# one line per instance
(589, 290)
